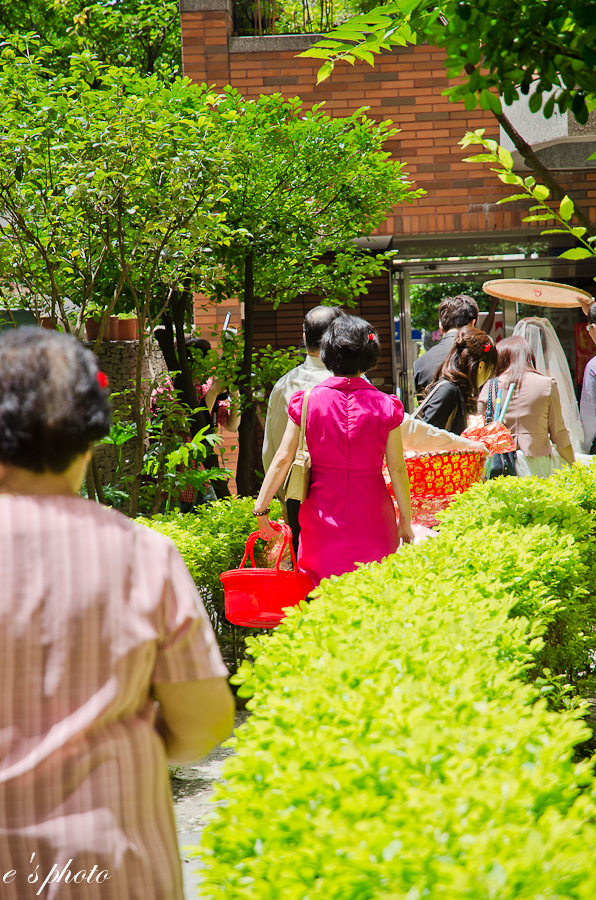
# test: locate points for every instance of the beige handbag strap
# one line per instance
(303, 421)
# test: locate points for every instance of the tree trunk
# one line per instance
(97, 479)
(176, 358)
(541, 171)
(539, 168)
(140, 419)
(244, 471)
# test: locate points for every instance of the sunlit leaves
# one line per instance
(496, 47)
(503, 165)
(393, 750)
(566, 208)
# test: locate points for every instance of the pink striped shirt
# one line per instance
(93, 610)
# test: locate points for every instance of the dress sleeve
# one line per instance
(396, 412)
(295, 407)
(556, 425)
(187, 648)
(587, 405)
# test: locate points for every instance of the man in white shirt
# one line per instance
(310, 373)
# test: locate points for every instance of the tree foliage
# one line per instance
(133, 33)
(307, 184)
(527, 189)
(493, 47)
(106, 192)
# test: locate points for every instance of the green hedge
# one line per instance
(401, 745)
(211, 541)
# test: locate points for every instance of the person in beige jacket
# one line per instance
(534, 415)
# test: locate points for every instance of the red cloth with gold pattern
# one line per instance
(437, 479)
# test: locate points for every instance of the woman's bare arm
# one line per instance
(276, 473)
(193, 716)
(398, 473)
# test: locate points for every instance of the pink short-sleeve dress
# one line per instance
(348, 516)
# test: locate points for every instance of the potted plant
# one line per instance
(128, 327)
(95, 314)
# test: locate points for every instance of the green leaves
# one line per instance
(566, 209)
(503, 165)
(393, 749)
(578, 253)
(211, 540)
(495, 48)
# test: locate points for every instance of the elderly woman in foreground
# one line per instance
(107, 658)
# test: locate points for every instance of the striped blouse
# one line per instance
(93, 609)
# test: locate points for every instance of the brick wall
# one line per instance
(405, 86)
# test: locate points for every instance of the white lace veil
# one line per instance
(551, 360)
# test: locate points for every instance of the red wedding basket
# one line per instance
(256, 598)
(437, 479)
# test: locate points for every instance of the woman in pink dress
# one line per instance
(348, 516)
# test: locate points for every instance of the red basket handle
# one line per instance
(287, 542)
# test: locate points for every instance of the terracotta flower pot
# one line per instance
(46, 322)
(128, 329)
(92, 329)
(111, 332)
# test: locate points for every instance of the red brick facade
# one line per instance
(405, 86)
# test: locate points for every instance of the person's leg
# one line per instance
(293, 508)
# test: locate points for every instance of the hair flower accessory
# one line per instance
(102, 380)
(371, 336)
(486, 348)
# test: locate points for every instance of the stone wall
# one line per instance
(118, 359)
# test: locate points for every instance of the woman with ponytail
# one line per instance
(453, 393)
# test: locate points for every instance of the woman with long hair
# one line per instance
(534, 415)
(454, 390)
(348, 516)
(551, 360)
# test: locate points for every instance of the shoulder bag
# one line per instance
(499, 463)
(298, 478)
(453, 413)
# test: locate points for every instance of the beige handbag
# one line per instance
(298, 478)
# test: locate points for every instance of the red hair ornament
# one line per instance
(102, 380)
(371, 336)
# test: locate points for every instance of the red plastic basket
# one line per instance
(256, 598)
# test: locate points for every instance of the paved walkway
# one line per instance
(192, 788)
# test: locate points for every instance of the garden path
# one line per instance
(192, 790)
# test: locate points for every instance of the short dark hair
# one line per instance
(316, 323)
(52, 405)
(349, 346)
(470, 347)
(197, 343)
(592, 314)
(457, 312)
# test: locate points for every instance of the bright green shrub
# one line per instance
(211, 541)
(550, 568)
(394, 751)
(520, 502)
